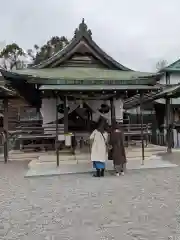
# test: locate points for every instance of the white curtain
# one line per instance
(95, 105)
(48, 109)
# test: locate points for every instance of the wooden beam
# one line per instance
(142, 131)
(168, 125)
(167, 77)
(57, 131)
(65, 115)
(5, 127)
(70, 53)
(113, 113)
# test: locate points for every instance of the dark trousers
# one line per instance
(99, 173)
(119, 168)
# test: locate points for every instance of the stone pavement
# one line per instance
(140, 205)
(37, 168)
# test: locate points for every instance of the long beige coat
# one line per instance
(99, 149)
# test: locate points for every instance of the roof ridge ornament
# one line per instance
(83, 30)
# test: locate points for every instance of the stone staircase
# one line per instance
(132, 153)
(16, 155)
(19, 155)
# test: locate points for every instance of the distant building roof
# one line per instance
(173, 67)
(166, 92)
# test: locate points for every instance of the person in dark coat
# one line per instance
(118, 154)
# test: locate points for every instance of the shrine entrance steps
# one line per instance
(45, 165)
(132, 153)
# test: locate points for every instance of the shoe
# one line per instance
(97, 174)
(102, 172)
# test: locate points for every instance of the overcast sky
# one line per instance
(137, 33)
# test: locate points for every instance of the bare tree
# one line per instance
(161, 64)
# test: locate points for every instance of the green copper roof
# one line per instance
(95, 87)
(5, 91)
(82, 73)
(173, 67)
(174, 101)
(172, 92)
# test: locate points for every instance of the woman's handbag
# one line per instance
(110, 153)
(109, 148)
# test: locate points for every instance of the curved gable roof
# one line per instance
(82, 34)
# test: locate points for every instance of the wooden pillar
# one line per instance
(142, 130)
(167, 78)
(137, 116)
(5, 127)
(65, 115)
(89, 121)
(113, 113)
(57, 132)
(168, 125)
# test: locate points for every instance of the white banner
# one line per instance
(48, 109)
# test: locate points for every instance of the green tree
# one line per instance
(10, 56)
(39, 54)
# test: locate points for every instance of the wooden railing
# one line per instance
(37, 137)
(137, 132)
(158, 139)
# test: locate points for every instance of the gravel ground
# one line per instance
(140, 205)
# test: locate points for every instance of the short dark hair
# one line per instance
(118, 125)
(101, 124)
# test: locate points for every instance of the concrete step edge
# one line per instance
(35, 163)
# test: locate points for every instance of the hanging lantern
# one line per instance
(104, 109)
(60, 108)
